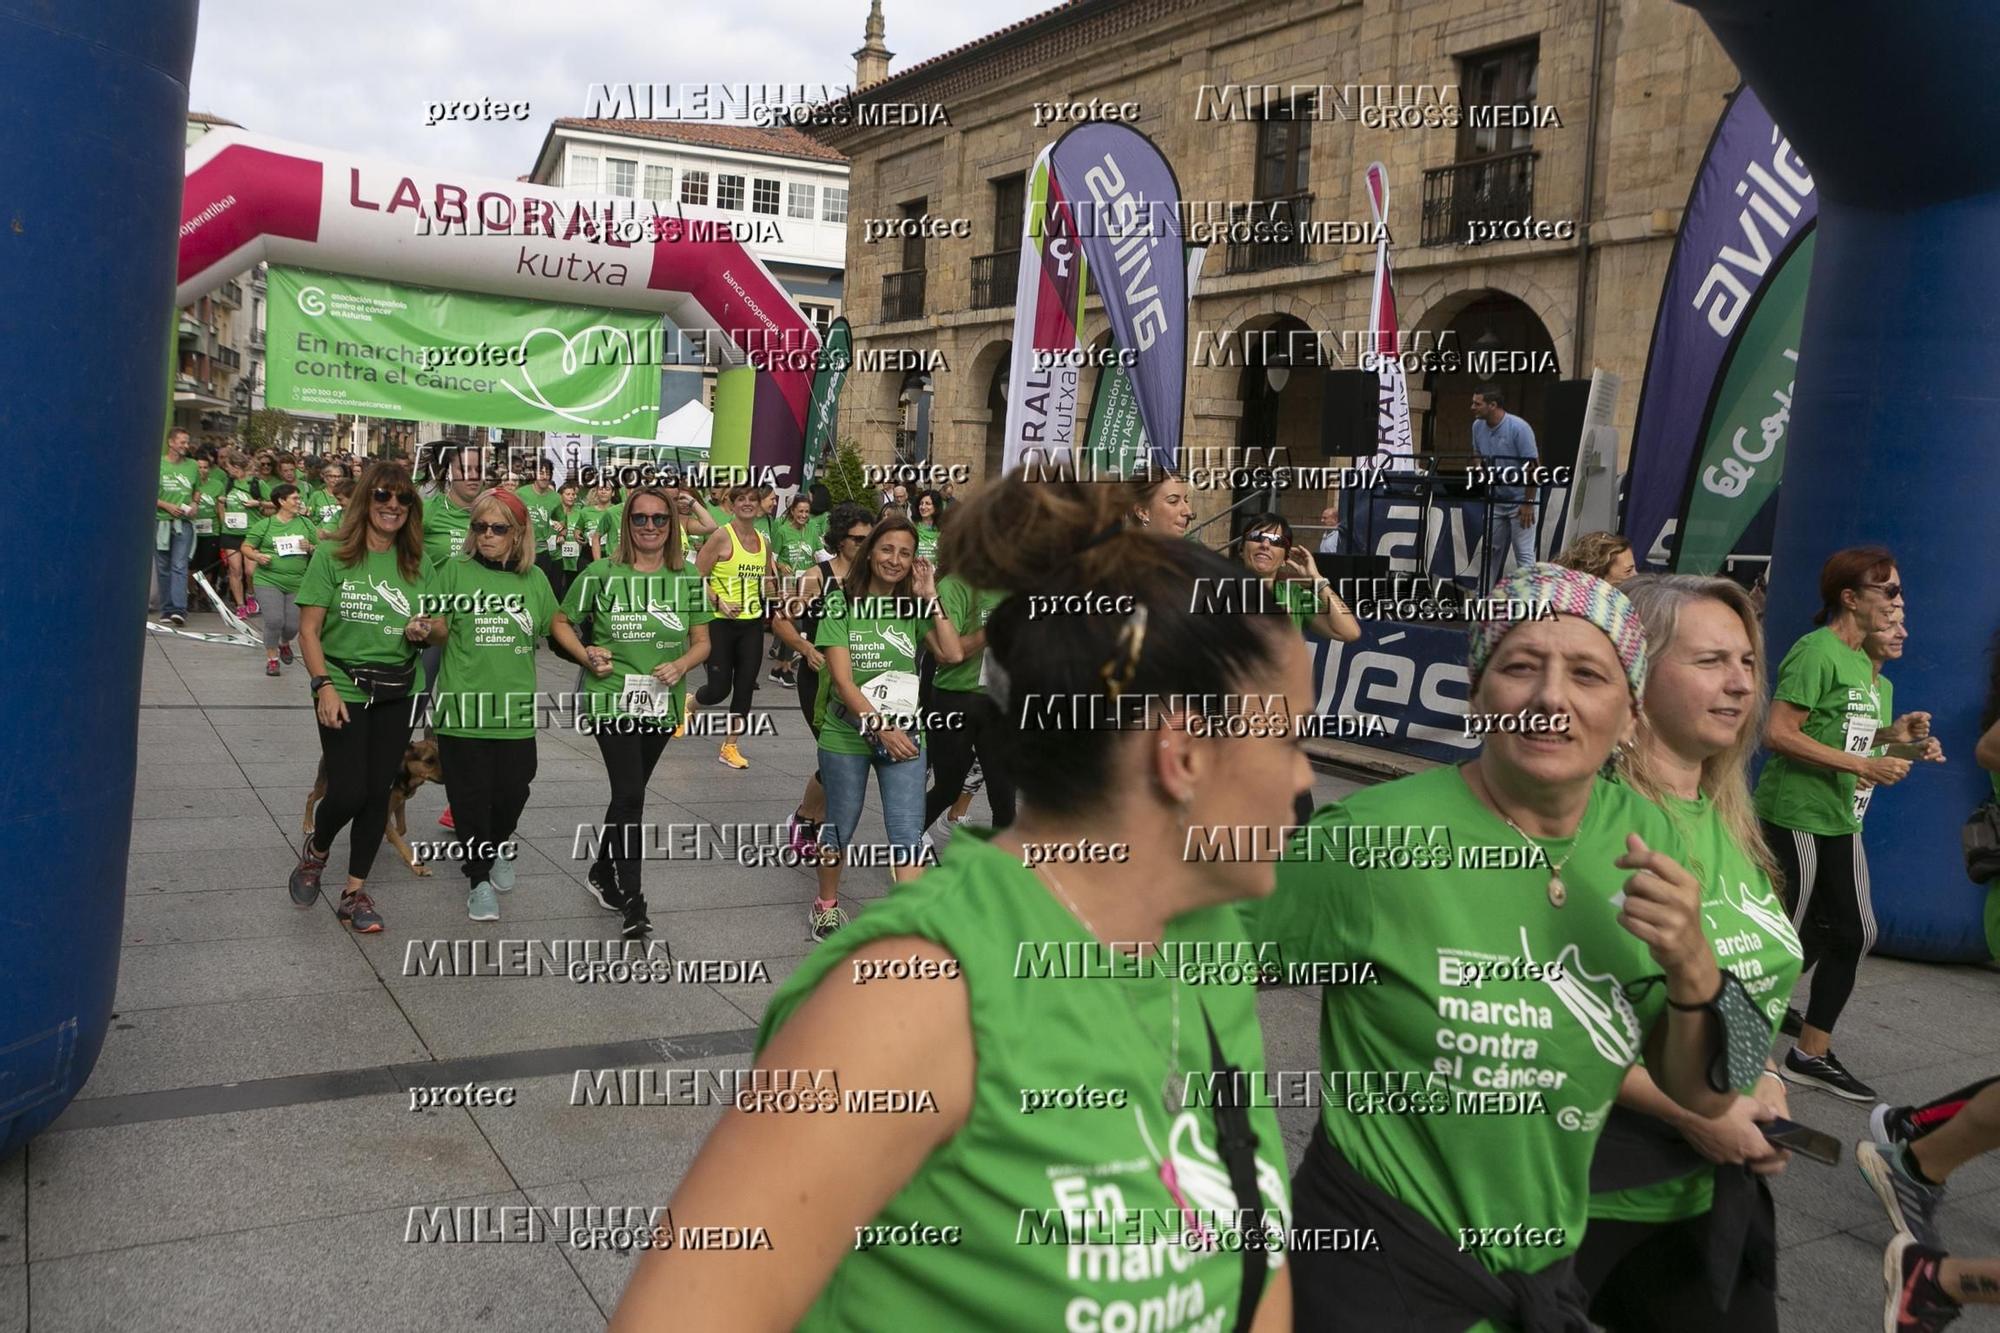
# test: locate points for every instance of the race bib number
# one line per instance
(291, 546)
(570, 550)
(894, 694)
(555, 543)
(1862, 796)
(204, 527)
(237, 522)
(1861, 734)
(647, 696)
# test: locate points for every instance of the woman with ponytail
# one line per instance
(1093, 1089)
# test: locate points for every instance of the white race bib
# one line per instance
(894, 694)
(290, 546)
(1862, 796)
(646, 695)
(204, 527)
(569, 550)
(237, 522)
(555, 543)
(1861, 734)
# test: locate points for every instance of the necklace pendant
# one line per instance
(1558, 894)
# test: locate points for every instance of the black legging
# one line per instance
(487, 783)
(1826, 882)
(630, 755)
(558, 577)
(981, 730)
(362, 759)
(735, 651)
(1646, 1276)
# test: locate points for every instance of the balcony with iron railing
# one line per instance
(256, 340)
(902, 295)
(994, 279)
(1273, 233)
(230, 294)
(1496, 189)
(229, 358)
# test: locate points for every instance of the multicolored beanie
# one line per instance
(1567, 592)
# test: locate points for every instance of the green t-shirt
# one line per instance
(573, 543)
(644, 620)
(927, 541)
(486, 682)
(875, 644)
(285, 539)
(1464, 990)
(597, 520)
(368, 606)
(445, 526)
(795, 546)
(1752, 937)
(968, 608)
(325, 509)
(1299, 601)
(177, 483)
(541, 511)
(1086, 1167)
(1885, 694)
(239, 509)
(1835, 684)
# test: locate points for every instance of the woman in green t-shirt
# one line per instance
(649, 628)
(1825, 723)
(1681, 1232)
(566, 523)
(489, 606)
(871, 630)
(926, 512)
(360, 636)
(280, 546)
(1518, 914)
(1071, 1100)
(795, 542)
(326, 505)
(239, 506)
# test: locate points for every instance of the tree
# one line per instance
(846, 478)
(267, 428)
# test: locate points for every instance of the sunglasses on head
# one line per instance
(493, 529)
(383, 495)
(651, 520)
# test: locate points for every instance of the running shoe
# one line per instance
(1826, 1073)
(732, 756)
(444, 820)
(1914, 1300)
(482, 904)
(681, 727)
(825, 920)
(802, 835)
(358, 911)
(305, 876)
(1912, 1205)
(285, 653)
(176, 618)
(637, 924)
(1892, 1126)
(1793, 1023)
(271, 667)
(501, 877)
(242, 610)
(250, 607)
(602, 885)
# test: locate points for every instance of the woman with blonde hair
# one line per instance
(1604, 555)
(1681, 1230)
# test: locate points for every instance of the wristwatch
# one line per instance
(317, 683)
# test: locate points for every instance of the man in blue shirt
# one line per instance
(1506, 442)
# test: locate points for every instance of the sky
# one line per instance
(359, 75)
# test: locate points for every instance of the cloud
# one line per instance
(358, 74)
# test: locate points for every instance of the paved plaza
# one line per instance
(244, 1156)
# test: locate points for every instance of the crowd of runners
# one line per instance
(1547, 1100)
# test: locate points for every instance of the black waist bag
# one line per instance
(382, 684)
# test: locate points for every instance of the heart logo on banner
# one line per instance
(570, 362)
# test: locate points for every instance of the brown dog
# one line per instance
(420, 765)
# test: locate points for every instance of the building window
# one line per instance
(820, 315)
(1497, 78)
(764, 196)
(618, 176)
(729, 191)
(660, 184)
(833, 204)
(1493, 178)
(694, 187)
(799, 201)
(1284, 145)
(1283, 199)
(582, 174)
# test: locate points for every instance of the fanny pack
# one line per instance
(382, 684)
(1980, 840)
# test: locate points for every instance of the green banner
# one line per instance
(374, 349)
(1743, 456)
(836, 356)
(735, 406)
(1116, 442)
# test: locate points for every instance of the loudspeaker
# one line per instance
(1348, 413)
(1559, 436)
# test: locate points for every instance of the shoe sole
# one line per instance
(474, 916)
(1808, 1081)
(726, 764)
(1875, 1168)
(1892, 1280)
(375, 929)
(599, 897)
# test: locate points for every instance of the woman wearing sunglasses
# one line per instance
(360, 639)
(649, 628)
(795, 620)
(490, 606)
(1826, 722)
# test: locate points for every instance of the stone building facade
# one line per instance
(1261, 109)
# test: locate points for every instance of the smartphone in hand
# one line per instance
(1802, 1139)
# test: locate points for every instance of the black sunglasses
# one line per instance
(1266, 538)
(1890, 591)
(383, 495)
(651, 520)
(855, 537)
(492, 529)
